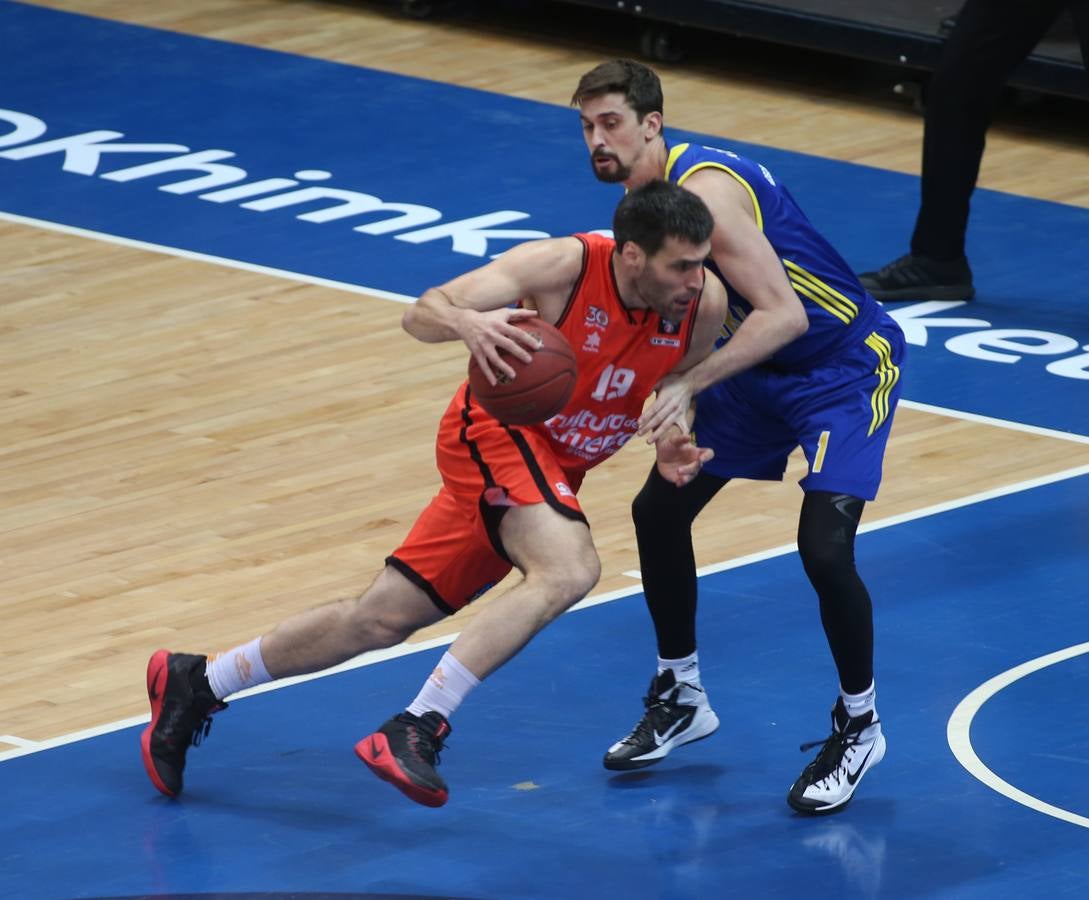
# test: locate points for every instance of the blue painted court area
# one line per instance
(276, 800)
(442, 178)
(427, 180)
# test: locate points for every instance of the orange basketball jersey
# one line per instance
(621, 355)
(455, 551)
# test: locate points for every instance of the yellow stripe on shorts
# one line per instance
(888, 373)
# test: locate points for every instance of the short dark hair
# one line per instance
(657, 210)
(638, 83)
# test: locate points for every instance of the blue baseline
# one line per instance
(277, 802)
(467, 153)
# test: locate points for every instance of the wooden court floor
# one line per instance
(175, 474)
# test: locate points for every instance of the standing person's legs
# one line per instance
(1079, 12)
(990, 39)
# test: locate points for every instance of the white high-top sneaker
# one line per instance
(676, 713)
(855, 746)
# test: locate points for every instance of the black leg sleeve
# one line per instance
(989, 40)
(663, 516)
(826, 542)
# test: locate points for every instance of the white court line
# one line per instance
(405, 298)
(367, 659)
(405, 649)
(17, 741)
(957, 732)
(889, 521)
(999, 423)
(205, 257)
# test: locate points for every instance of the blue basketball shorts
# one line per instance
(839, 412)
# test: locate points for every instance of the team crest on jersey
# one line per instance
(667, 327)
(596, 318)
(592, 344)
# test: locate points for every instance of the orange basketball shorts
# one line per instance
(454, 551)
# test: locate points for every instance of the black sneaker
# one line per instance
(182, 703)
(676, 714)
(921, 278)
(405, 751)
(855, 746)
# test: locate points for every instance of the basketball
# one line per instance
(541, 387)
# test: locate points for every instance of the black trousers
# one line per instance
(990, 39)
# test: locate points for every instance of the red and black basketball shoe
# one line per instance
(182, 703)
(405, 751)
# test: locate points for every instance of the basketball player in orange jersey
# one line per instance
(634, 310)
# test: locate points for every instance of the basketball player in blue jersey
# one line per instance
(806, 357)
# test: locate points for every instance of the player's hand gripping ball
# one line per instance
(540, 388)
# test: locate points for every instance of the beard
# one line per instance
(617, 175)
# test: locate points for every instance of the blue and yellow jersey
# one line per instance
(841, 313)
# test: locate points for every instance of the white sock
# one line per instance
(445, 688)
(237, 669)
(860, 704)
(686, 669)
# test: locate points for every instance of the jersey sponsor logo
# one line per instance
(589, 436)
(592, 344)
(597, 317)
(665, 342)
(563, 489)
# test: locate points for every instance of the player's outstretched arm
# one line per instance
(477, 307)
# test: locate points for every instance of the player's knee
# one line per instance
(371, 627)
(578, 578)
(658, 506)
(826, 557)
(564, 584)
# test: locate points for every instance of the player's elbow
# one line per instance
(418, 321)
(410, 321)
(796, 322)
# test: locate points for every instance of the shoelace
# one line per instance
(176, 723)
(658, 711)
(827, 763)
(425, 745)
(896, 264)
(902, 269)
(201, 731)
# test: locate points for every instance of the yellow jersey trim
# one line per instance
(675, 154)
(824, 295)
